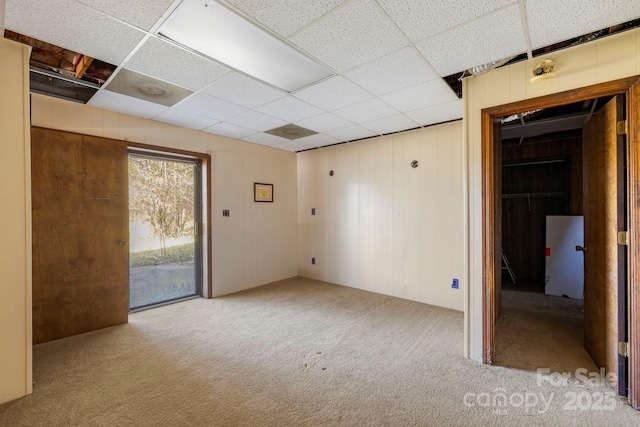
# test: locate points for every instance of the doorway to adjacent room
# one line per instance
(618, 321)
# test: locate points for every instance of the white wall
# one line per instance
(603, 60)
(381, 225)
(257, 243)
(15, 224)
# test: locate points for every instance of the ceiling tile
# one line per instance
(168, 62)
(352, 133)
(421, 96)
(391, 124)
(285, 17)
(230, 130)
(334, 93)
(493, 37)
(208, 106)
(73, 26)
(366, 111)
(140, 14)
(381, 75)
(294, 146)
(422, 19)
(437, 113)
(571, 18)
(243, 90)
(290, 109)
(319, 140)
(324, 122)
(126, 104)
(257, 121)
(351, 35)
(187, 120)
(265, 139)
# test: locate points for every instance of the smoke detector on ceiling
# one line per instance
(543, 70)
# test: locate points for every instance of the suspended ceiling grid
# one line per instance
(389, 58)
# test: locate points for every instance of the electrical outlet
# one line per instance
(313, 211)
(225, 212)
(455, 284)
(313, 261)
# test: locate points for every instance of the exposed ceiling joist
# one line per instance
(83, 66)
(542, 127)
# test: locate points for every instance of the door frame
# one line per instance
(490, 205)
(205, 227)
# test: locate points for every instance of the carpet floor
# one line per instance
(295, 353)
(537, 330)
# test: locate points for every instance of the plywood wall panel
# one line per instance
(497, 79)
(637, 52)
(383, 211)
(367, 232)
(574, 65)
(398, 248)
(313, 175)
(349, 207)
(517, 84)
(616, 57)
(389, 227)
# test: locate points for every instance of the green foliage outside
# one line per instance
(179, 254)
(161, 193)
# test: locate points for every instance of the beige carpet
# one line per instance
(292, 353)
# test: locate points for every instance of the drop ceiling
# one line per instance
(388, 58)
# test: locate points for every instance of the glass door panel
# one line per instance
(164, 245)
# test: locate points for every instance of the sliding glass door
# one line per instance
(165, 250)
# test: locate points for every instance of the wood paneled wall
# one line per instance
(523, 218)
(381, 225)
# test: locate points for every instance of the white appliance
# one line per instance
(564, 265)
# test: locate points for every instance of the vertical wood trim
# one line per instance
(206, 165)
(621, 253)
(497, 212)
(26, 54)
(633, 165)
(488, 238)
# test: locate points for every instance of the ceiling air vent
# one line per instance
(137, 85)
(291, 131)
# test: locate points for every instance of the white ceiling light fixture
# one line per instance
(213, 30)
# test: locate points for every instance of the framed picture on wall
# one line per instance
(262, 192)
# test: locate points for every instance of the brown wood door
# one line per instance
(633, 204)
(605, 260)
(80, 233)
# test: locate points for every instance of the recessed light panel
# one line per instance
(213, 30)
